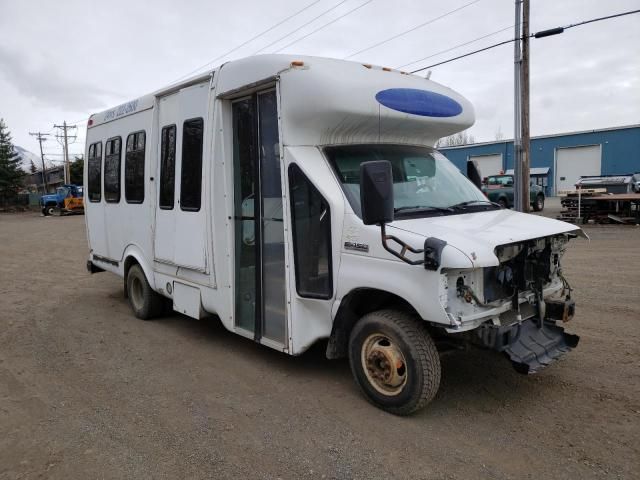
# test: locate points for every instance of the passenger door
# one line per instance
(260, 295)
(180, 233)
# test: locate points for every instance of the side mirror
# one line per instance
(376, 192)
(473, 173)
(376, 202)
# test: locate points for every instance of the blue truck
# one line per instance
(67, 199)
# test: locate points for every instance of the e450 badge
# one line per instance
(360, 247)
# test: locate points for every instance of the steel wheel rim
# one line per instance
(136, 292)
(384, 364)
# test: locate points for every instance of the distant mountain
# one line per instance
(27, 156)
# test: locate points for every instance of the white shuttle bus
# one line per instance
(300, 199)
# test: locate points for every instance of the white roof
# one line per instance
(326, 100)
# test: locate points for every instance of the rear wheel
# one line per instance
(145, 303)
(538, 205)
(503, 203)
(394, 361)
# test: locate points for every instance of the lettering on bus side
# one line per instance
(121, 110)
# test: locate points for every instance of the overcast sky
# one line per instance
(66, 59)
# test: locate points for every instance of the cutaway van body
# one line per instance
(239, 193)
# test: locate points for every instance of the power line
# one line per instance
(78, 122)
(456, 46)
(301, 26)
(326, 25)
(412, 29)
(537, 35)
(248, 41)
(541, 34)
(465, 55)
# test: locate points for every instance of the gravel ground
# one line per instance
(89, 391)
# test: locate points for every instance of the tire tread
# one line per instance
(415, 332)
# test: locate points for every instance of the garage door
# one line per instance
(488, 164)
(574, 162)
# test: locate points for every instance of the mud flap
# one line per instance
(533, 347)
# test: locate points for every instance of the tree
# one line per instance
(76, 167)
(32, 167)
(460, 138)
(11, 173)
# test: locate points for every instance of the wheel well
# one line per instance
(354, 306)
(129, 262)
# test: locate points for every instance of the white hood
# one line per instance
(478, 234)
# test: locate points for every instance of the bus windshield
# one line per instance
(422, 177)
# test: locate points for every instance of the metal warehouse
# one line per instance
(558, 161)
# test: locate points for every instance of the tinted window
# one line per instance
(167, 167)
(94, 172)
(311, 237)
(134, 168)
(191, 177)
(112, 170)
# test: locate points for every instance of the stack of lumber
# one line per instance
(589, 206)
(571, 212)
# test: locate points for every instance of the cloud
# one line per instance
(47, 85)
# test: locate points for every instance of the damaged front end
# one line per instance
(517, 306)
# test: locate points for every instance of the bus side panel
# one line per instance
(311, 317)
(94, 211)
(114, 226)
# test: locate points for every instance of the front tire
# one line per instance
(145, 303)
(503, 203)
(394, 361)
(49, 210)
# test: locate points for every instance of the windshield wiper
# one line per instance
(421, 208)
(469, 203)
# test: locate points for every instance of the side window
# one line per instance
(134, 168)
(94, 172)
(167, 167)
(112, 170)
(311, 219)
(191, 175)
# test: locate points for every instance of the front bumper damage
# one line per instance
(516, 307)
(530, 345)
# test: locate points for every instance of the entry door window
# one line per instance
(259, 228)
(245, 193)
(311, 220)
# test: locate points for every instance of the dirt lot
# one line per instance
(89, 391)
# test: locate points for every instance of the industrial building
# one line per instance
(558, 161)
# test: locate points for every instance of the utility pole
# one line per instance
(41, 139)
(65, 149)
(524, 85)
(521, 137)
(517, 111)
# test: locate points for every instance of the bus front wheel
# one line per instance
(394, 361)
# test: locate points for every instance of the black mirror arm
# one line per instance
(402, 254)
